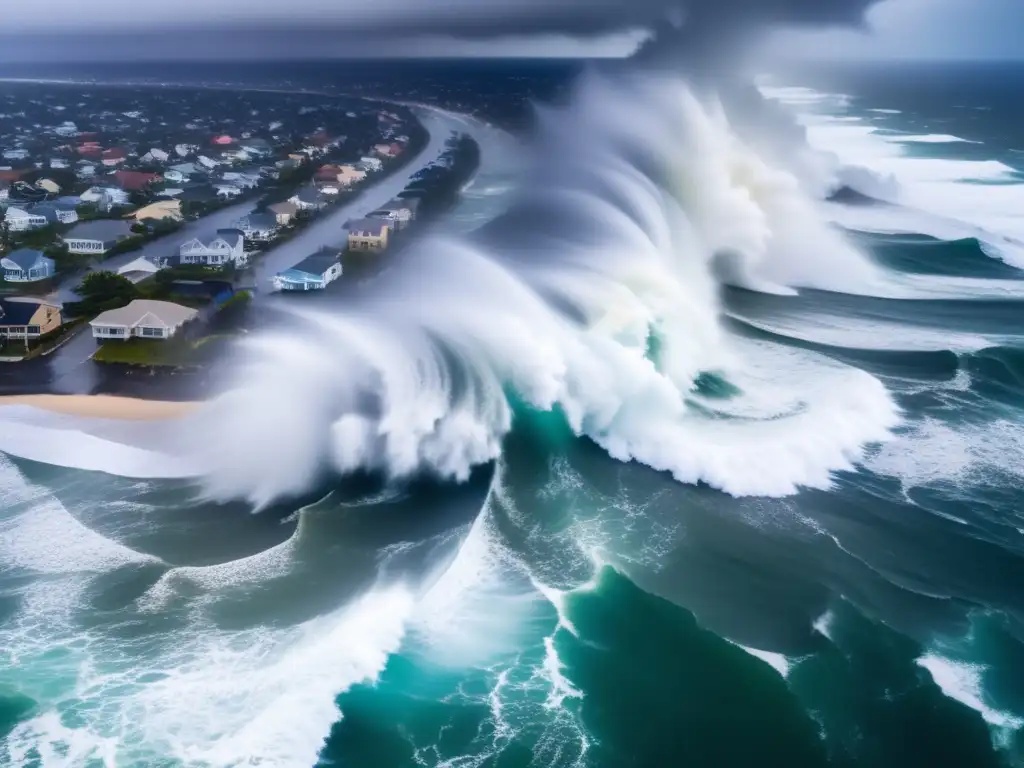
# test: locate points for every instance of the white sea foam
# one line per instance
(963, 198)
(776, 661)
(560, 310)
(962, 681)
(932, 451)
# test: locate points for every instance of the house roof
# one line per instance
(284, 207)
(17, 312)
(115, 153)
(27, 258)
(135, 180)
(318, 263)
(366, 227)
(262, 221)
(100, 229)
(146, 312)
(309, 195)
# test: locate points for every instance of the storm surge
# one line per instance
(596, 296)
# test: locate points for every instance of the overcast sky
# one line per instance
(70, 30)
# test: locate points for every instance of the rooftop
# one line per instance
(148, 312)
(318, 263)
(100, 229)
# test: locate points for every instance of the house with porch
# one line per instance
(142, 318)
(27, 265)
(313, 273)
(96, 237)
(227, 246)
(56, 212)
(21, 220)
(27, 318)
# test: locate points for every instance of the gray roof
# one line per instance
(366, 227)
(262, 220)
(27, 258)
(310, 195)
(103, 230)
(319, 262)
(152, 313)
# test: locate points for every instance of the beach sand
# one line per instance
(104, 406)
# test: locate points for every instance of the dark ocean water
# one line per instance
(584, 611)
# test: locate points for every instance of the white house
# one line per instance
(20, 220)
(313, 273)
(97, 236)
(228, 245)
(140, 269)
(184, 150)
(105, 198)
(26, 265)
(207, 162)
(143, 318)
(15, 154)
(66, 129)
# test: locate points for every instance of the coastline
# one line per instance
(105, 406)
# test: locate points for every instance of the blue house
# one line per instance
(27, 265)
(313, 273)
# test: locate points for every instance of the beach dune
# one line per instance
(105, 406)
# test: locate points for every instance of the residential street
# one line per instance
(69, 368)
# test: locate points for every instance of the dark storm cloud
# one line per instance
(232, 28)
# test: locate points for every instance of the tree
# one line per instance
(103, 287)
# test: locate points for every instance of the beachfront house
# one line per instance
(258, 226)
(313, 273)
(96, 237)
(143, 318)
(227, 246)
(368, 235)
(21, 220)
(399, 213)
(27, 265)
(26, 318)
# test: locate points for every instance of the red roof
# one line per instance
(12, 175)
(115, 154)
(136, 180)
(223, 140)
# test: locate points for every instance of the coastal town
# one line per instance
(132, 223)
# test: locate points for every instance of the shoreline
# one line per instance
(105, 406)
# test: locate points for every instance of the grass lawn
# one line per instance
(157, 352)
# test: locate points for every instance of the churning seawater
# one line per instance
(687, 526)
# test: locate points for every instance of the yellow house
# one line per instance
(368, 235)
(162, 209)
(27, 318)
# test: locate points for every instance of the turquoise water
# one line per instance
(561, 607)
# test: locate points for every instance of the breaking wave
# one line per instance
(594, 295)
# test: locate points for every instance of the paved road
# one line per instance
(328, 229)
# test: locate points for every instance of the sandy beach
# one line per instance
(104, 406)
